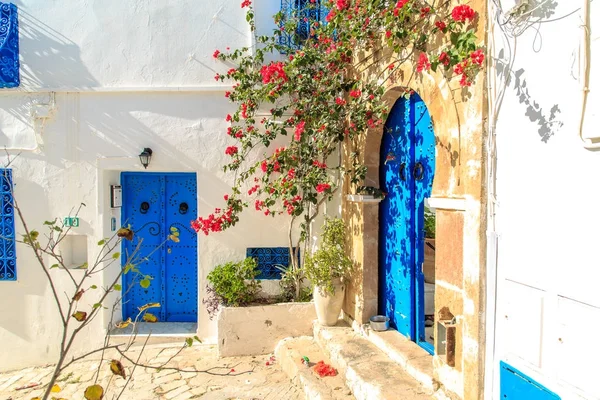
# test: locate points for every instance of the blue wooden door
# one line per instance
(406, 175)
(154, 203)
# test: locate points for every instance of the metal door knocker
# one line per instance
(183, 208)
(144, 207)
(403, 172)
(419, 171)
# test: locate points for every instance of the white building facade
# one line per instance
(98, 83)
(543, 264)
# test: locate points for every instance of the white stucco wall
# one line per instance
(114, 77)
(547, 306)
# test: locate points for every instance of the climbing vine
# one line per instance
(323, 89)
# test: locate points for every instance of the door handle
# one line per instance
(418, 171)
(403, 171)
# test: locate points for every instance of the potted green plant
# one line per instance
(327, 269)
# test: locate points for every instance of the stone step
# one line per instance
(413, 359)
(289, 353)
(369, 373)
(155, 333)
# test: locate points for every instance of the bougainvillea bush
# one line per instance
(311, 93)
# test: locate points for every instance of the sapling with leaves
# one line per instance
(80, 304)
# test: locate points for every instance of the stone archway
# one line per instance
(460, 238)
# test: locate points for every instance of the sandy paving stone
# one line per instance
(251, 378)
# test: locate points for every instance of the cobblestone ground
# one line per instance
(250, 378)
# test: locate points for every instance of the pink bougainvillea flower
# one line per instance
(463, 13)
(342, 4)
(464, 80)
(423, 64)
(246, 3)
(355, 93)
(477, 57)
(299, 130)
(231, 150)
(321, 187)
(216, 54)
(441, 25)
(273, 73)
(444, 58)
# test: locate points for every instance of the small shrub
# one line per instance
(234, 283)
(288, 283)
(330, 260)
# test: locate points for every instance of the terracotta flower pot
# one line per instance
(329, 307)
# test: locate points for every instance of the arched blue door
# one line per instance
(407, 167)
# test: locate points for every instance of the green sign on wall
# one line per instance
(71, 222)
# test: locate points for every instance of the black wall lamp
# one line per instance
(145, 157)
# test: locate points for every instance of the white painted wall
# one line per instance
(548, 308)
(128, 75)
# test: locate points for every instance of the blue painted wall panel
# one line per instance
(514, 385)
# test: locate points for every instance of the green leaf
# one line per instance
(94, 392)
(189, 342)
(147, 306)
(93, 287)
(101, 242)
(116, 255)
(128, 268)
(97, 305)
(49, 222)
(54, 266)
(80, 315)
(145, 283)
(117, 287)
(83, 266)
(148, 317)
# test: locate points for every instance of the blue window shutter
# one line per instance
(8, 259)
(305, 13)
(268, 258)
(9, 46)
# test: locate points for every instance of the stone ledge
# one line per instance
(289, 353)
(363, 198)
(255, 330)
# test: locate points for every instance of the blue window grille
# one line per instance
(9, 46)
(8, 260)
(305, 13)
(269, 258)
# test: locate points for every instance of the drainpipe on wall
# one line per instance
(587, 143)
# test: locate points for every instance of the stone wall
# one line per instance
(245, 331)
(458, 118)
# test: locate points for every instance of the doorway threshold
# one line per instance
(162, 330)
